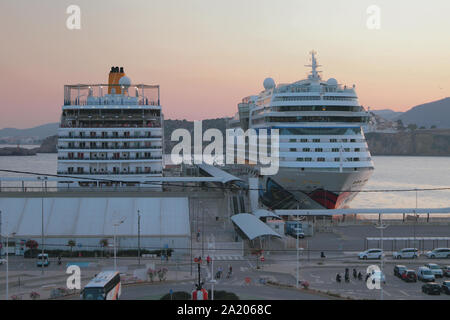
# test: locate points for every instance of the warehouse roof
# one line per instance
(252, 227)
(95, 216)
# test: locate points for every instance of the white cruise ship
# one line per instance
(324, 159)
(110, 132)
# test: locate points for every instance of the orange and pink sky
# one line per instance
(208, 54)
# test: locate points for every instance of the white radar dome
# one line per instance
(269, 83)
(125, 81)
(332, 82)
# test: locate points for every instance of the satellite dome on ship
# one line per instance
(269, 83)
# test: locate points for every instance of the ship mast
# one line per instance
(314, 72)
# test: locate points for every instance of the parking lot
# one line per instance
(324, 278)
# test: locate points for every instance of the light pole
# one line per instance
(116, 225)
(42, 222)
(381, 226)
(212, 279)
(7, 261)
(139, 237)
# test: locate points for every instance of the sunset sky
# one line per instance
(208, 54)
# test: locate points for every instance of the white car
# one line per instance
(371, 254)
(2, 261)
(425, 274)
(439, 253)
(407, 253)
(435, 269)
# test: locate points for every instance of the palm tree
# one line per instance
(71, 244)
(103, 244)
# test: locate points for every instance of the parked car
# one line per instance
(371, 254)
(407, 253)
(446, 271)
(445, 288)
(409, 276)
(431, 288)
(2, 261)
(42, 260)
(399, 270)
(435, 269)
(425, 274)
(438, 253)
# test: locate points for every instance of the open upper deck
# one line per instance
(111, 95)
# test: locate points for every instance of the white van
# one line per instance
(439, 253)
(407, 253)
(425, 274)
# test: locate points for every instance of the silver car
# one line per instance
(435, 269)
(407, 253)
(439, 253)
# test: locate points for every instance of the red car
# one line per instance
(409, 276)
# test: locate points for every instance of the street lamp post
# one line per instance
(381, 226)
(42, 221)
(139, 238)
(7, 262)
(116, 225)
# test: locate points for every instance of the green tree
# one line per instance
(412, 126)
(71, 244)
(433, 127)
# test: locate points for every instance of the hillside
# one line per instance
(435, 113)
(387, 114)
(30, 135)
(410, 143)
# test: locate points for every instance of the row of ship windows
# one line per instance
(303, 98)
(308, 108)
(310, 119)
(333, 140)
(107, 145)
(114, 134)
(114, 170)
(322, 159)
(327, 150)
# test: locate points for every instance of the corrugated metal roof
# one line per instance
(262, 213)
(252, 227)
(95, 216)
(218, 173)
(330, 212)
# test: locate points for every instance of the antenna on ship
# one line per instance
(314, 72)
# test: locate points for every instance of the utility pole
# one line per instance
(7, 268)
(116, 225)
(139, 238)
(381, 226)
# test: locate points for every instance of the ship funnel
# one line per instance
(113, 80)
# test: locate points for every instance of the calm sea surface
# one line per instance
(390, 173)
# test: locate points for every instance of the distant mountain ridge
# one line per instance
(436, 113)
(387, 114)
(42, 131)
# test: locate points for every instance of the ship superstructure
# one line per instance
(324, 157)
(112, 134)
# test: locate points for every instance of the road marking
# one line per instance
(387, 293)
(403, 292)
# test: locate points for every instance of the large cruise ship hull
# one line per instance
(291, 188)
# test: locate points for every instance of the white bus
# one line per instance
(105, 286)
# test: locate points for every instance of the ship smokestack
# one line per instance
(113, 79)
